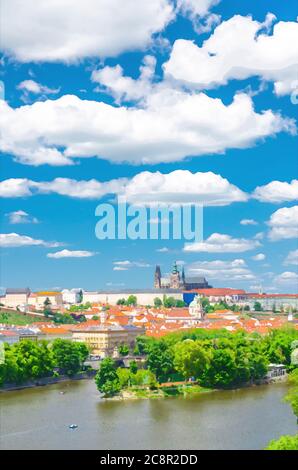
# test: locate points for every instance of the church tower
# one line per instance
(157, 278)
(183, 278)
(175, 277)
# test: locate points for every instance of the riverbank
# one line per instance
(180, 389)
(46, 381)
(163, 391)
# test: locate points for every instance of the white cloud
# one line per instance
(182, 187)
(124, 88)
(248, 222)
(259, 257)
(288, 277)
(12, 240)
(235, 270)
(238, 48)
(292, 258)
(221, 243)
(15, 187)
(277, 191)
(21, 217)
(31, 86)
(71, 254)
(177, 187)
(163, 250)
(259, 236)
(196, 7)
(90, 189)
(67, 31)
(198, 12)
(126, 264)
(173, 125)
(283, 223)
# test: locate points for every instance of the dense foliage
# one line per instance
(29, 360)
(284, 443)
(216, 358)
(110, 379)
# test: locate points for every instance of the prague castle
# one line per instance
(178, 281)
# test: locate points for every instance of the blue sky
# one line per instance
(76, 108)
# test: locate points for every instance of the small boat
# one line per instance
(73, 426)
(62, 393)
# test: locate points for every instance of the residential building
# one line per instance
(105, 339)
(54, 297)
(15, 297)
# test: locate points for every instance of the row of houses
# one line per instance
(24, 298)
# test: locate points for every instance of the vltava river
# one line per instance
(242, 419)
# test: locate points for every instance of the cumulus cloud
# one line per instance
(235, 270)
(292, 258)
(283, 223)
(13, 240)
(124, 88)
(126, 264)
(146, 188)
(173, 125)
(182, 187)
(67, 31)
(277, 191)
(288, 277)
(21, 217)
(259, 257)
(15, 187)
(239, 48)
(81, 189)
(198, 11)
(37, 88)
(248, 222)
(221, 243)
(71, 254)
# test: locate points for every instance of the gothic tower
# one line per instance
(157, 278)
(183, 278)
(175, 277)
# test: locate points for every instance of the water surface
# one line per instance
(38, 418)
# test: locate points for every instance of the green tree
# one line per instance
(133, 367)
(121, 302)
(160, 359)
(169, 302)
(69, 356)
(106, 379)
(180, 304)
(292, 395)
(284, 443)
(157, 302)
(124, 377)
(222, 370)
(190, 358)
(123, 349)
(132, 300)
(258, 307)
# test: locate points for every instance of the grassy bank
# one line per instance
(19, 319)
(135, 392)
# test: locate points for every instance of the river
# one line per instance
(38, 418)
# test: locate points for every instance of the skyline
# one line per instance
(194, 106)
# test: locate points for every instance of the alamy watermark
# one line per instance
(137, 222)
